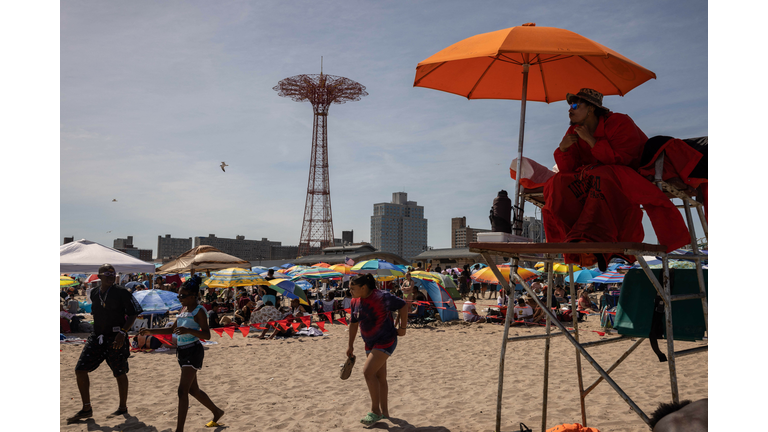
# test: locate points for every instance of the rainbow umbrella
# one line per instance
(234, 277)
(380, 269)
(316, 273)
(65, 281)
(608, 277)
(486, 275)
(342, 268)
(427, 276)
(322, 264)
(289, 289)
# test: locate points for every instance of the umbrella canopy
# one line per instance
(491, 66)
(234, 277)
(582, 276)
(85, 256)
(322, 264)
(342, 268)
(608, 277)
(427, 276)
(155, 300)
(289, 289)
(65, 281)
(316, 273)
(380, 269)
(203, 258)
(287, 265)
(563, 268)
(130, 285)
(92, 278)
(486, 275)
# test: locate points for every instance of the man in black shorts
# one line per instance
(111, 304)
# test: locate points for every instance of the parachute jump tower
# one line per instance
(322, 91)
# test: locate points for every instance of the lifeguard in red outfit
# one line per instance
(597, 193)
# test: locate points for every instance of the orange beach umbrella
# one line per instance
(528, 63)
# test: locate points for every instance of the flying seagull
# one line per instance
(223, 165)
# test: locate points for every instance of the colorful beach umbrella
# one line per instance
(234, 277)
(427, 276)
(486, 275)
(65, 281)
(322, 264)
(289, 289)
(342, 268)
(608, 277)
(563, 268)
(380, 269)
(316, 273)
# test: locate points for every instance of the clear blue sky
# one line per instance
(155, 95)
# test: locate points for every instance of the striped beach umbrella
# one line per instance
(322, 264)
(234, 277)
(289, 289)
(342, 268)
(316, 273)
(608, 277)
(65, 281)
(380, 269)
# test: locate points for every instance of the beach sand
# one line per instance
(441, 378)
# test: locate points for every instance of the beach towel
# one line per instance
(572, 427)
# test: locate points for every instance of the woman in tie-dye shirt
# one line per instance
(372, 313)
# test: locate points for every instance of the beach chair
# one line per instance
(418, 319)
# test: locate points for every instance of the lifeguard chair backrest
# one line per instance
(635, 310)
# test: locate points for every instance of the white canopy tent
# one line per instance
(85, 256)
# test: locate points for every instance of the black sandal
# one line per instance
(82, 414)
(119, 412)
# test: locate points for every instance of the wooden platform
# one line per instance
(511, 249)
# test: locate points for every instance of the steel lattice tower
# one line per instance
(322, 91)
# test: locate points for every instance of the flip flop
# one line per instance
(370, 419)
(213, 424)
(346, 368)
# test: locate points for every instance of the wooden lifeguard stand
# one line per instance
(549, 252)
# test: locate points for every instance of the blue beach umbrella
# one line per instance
(157, 301)
(583, 276)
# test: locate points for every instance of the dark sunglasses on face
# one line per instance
(107, 274)
(573, 105)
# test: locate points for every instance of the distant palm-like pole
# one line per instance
(321, 90)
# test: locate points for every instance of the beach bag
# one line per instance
(572, 427)
(64, 325)
(524, 428)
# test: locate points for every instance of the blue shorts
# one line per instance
(388, 351)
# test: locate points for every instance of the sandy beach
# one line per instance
(441, 378)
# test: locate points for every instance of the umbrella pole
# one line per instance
(518, 207)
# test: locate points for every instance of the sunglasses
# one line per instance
(107, 274)
(573, 105)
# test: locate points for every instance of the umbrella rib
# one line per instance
(621, 93)
(543, 82)
(469, 95)
(428, 73)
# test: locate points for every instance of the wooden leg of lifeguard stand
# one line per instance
(546, 349)
(575, 316)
